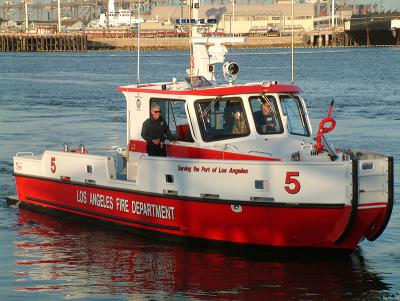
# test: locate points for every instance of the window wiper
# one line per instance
(210, 105)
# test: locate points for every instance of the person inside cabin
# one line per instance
(154, 131)
(239, 126)
(206, 120)
(229, 119)
(265, 117)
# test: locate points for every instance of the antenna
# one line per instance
(111, 6)
(190, 40)
(58, 16)
(138, 48)
(26, 17)
(232, 29)
(292, 42)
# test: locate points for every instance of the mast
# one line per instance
(292, 41)
(111, 6)
(233, 18)
(191, 4)
(26, 16)
(138, 48)
(59, 15)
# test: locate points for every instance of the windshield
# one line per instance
(266, 114)
(221, 118)
(296, 121)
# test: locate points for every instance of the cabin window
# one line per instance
(174, 113)
(296, 120)
(221, 118)
(266, 114)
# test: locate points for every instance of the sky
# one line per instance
(388, 4)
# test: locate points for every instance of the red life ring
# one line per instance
(323, 130)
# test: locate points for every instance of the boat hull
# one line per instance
(269, 224)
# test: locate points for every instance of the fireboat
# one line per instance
(227, 177)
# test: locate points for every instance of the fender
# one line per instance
(354, 204)
(383, 219)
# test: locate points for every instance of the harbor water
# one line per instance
(47, 99)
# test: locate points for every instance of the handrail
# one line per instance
(20, 154)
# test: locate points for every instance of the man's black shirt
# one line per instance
(155, 129)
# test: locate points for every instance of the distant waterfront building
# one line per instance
(246, 18)
(45, 29)
(116, 18)
(7, 25)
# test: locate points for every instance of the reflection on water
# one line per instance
(47, 99)
(79, 260)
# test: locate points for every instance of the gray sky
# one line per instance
(389, 4)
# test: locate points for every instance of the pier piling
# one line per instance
(54, 42)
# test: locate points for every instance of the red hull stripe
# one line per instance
(228, 90)
(372, 204)
(181, 151)
(194, 199)
(102, 215)
(258, 225)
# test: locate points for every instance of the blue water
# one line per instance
(47, 99)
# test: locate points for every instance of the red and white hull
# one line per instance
(305, 225)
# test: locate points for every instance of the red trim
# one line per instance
(213, 91)
(183, 151)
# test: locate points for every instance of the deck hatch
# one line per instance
(209, 196)
(170, 192)
(261, 199)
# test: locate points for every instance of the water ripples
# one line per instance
(51, 98)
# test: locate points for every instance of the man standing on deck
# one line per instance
(154, 131)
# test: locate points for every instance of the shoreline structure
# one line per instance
(182, 43)
(21, 42)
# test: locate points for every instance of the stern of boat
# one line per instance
(376, 191)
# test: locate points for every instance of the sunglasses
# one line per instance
(156, 111)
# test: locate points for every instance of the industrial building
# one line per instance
(234, 17)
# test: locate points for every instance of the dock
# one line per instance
(17, 42)
(374, 30)
(127, 42)
(327, 38)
